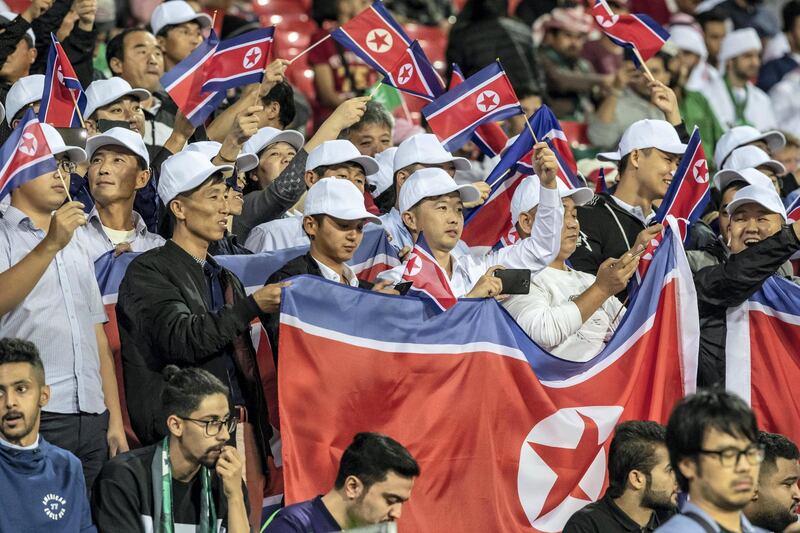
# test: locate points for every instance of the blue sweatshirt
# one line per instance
(43, 490)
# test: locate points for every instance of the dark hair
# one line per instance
(374, 113)
(622, 166)
(712, 15)
(632, 448)
(320, 170)
(169, 27)
(283, 94)
(116, 46)
(214, 179)
(371, 456)
(736, 185)
(186, 388)
(776, 446)
(694, 415)
(789, 14)
(22, 351)
(482, 10)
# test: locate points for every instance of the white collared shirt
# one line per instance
(277, 234)
(33, 446)
(330, 274)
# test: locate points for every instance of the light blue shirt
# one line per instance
(95, 242)
(683, 524)
(58, 316)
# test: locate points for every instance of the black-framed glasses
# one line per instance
(729, 457)
(214, 426)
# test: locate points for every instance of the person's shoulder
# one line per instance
(294, 267)
(292, 518)
(594, 208)
(680, 524)
(61, 459)
(132, 464)
(583, 520)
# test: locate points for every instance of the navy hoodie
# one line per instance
(43, 490)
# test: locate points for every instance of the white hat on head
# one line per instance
(26, 90)
(430, 182)
(103, 92)
(210, 149)
(766, 197)
(10, 16)
(266, 136)
(176, 12)
(687, 38)
(183, 172)
(119, 137)
(748, 176)
(57, 146)
(338, 152)
(526, 196)
(646, 133)
(736, 43)
(426, 149)
(384, 178)
(742, 135)
(753, 157)
(337, 198)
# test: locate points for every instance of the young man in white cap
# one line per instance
(648, 155)
(769, 141)
(178, 306)
(114, 102)
(337, 159)
(49, 296)
(760, 242)
(25, 92)
(119, 166)
(274, 149)
(569, 313)
(178, 29)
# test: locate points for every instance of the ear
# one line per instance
(272, 110)
(634, 159)
(177, 209)
(310, 227)
(44, 395)
(162, 42)
(402, 176)
(32, 55)
(175, 425)
(142, 178)
(115, 65)
(688, 468)
(353, 488)
(410, 220)
(526, 220)
(637, 480)
(310, 178)
(91, 127)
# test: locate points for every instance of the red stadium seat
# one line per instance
(433, 41)
(575, 132)
(281, 7)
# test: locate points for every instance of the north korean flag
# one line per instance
(486, 96)
(239, 61)
(600, 185)
(547, 128)
(634, 31)
(414, 74)
(793, 211)
(25, 155)
(429, 279)
(374, 36)
(490, 138)
(62, 91)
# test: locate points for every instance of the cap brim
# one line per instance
(775, 140)
(677, 149)
(201, 18)
(203, 175)
(369, 165)
(291, 137)
(98, 141)
(613, 157)
(734, 205)
(354, 214)
(75, 154)
(246, 161)
(776, 166)
(469, 193)
(580, 195)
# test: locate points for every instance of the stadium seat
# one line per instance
(575, 132)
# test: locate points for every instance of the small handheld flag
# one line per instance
(25, 155)
(429, 278)
(414, 74)
(239, 61)
(793, 211)
(63, 99)
(490, 138)
(547, 128)
(637, 32)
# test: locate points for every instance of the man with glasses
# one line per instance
(712, 437)
(191, 480)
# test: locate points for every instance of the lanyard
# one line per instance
(208, 515)
(738, 108)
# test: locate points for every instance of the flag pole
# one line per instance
(375, 89)
(77, 110)
(530, 129)
(304, 52)
(64, 183)
(644, 65)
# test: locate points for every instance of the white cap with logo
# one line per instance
(749, 176)
(266, 136)
(338, 152)
(337, 198)
(756, 194)
(103, 92)
(742, 135)
(26, 90)
(526, 197)
(646, 133)
(183, 172)
(119, 137)
(753, 157)
(425, 148)
(176, 12)
(431, 182)
(57, 146)
(210, 149)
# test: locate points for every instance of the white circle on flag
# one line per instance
(700, 171)
(487, 100)
(252, 57)
(60, 74)
(28, 146)
(404, 76)
(606, 22)
(414, 265)
(379, 40)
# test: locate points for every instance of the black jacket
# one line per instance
(730, 284)
(164, 318)
(79, 45)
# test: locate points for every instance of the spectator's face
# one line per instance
(687, 6)
(661, 492)
(21, 398)
(655, 172)
(371, 139)
(568, 43)
(714, 32)
(143, 61)
(724, 218)
(768, 172)
(18, 64)
(126, 109)
(381, 502)
(348, 171)
(334, 238)
(687, 60)
(570, 230)
(751, 224)
(236, 198)
(789, 155)
(273, 160)
(194, 440)
(180, 41)
(746, 66)
(21, 113)
(775, 506)
(441, 219)
(205, 212)
(45, 193)
(114, 175)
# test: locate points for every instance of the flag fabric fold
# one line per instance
(25, 155)
(414, 74)
(548, 129)
(633, 31)
(429, 279)
(63, 99)
(239, 61)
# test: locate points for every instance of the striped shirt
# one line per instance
(58, 316)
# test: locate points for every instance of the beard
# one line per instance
(657, 501)
(772, 517)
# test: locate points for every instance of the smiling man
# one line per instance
(774, 506)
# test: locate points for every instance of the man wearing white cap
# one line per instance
(119, 166)
(274, 149)
(647, 157)
(769, 141)
(178, 29)
(178, 306)
(337, 159)
(49, 296)
(760, 242)
(26, 92)
(734, 99)
(114, 101)
(569, 313)
(754, 157)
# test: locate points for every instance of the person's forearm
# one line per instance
(590, 300)
(220, 126)
(17, 282)
(109, 377)
(238, 521)
(607, 111)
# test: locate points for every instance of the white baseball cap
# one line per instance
(384, 178)
(338, 152)
(736, 43)
(26, 90)
(425, 149)
(183, 172)
(266, 136)
(756, 194)
(429, 182)
(210, 149)
(119, 137)
(103, 92)
(526, 196)
(57, 146)
(647, 133)
(176, 12)
(753, 157)
(10, 16)
(741, 136)
(337, 198)
(749, 176)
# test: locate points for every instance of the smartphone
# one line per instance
(515, 280)
(403, 287)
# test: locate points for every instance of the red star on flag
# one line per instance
(379, 40)
(251, 58)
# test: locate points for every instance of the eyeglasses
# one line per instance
(214, 426)
(729, 457)
(67, 166)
